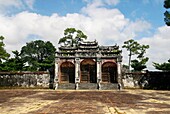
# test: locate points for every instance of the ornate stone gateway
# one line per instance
(88, 71)
(67, 72)
(109, 72)
(88, 65)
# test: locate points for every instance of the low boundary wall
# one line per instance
(148, 80)
(25, 79)
(41, 79)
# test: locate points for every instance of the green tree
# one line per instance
(72, 37)
(139, 65)
(164, 66)
(139, 50)
(13, 64)
(38, 55)
(167, 13)
(3, 54)
(133, 47)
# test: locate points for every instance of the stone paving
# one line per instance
(23, 101)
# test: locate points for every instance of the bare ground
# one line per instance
(43, 101)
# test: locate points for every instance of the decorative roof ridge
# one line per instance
(67, 47)
(86, 42)
(113, 46)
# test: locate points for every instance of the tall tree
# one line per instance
(133, 47)
(3, 54)
(38, 55)
(167, 13)
(139, 50)
(72, 37)
(163, 66)
(139, 65)
(13, 64)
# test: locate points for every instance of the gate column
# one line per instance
(56, 80)
(119, 66)
(99, 72)
(77, 72)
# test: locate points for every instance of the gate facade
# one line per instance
(88, 63)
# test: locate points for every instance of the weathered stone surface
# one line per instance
(88, 86)
(70, 86)
(24, 101)
(128, 82)
(147, 80)
(109, 86)
(24, 79)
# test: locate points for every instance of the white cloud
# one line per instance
(133, 28)
(159, 46)
(9, 3)
(108, 26)
(29, 3)
(8, 6)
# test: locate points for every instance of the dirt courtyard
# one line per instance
(44, 101)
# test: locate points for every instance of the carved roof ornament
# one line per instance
(89, 49)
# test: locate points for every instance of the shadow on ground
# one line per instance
(118, 102)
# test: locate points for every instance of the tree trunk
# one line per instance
(129, 60)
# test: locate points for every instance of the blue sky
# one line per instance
(62, 7)
(108, 21)
(151, 10)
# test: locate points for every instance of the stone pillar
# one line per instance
(77, 73)
(119, 67)
(56, 79)
(99, 72)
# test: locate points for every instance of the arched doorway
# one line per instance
(67, 72)
(88, 71)
(109, 72)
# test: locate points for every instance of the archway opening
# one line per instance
(67, 72)
(88, 71)
(109, 72)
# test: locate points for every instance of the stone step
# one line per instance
(90, 86)
(70, 86)
(108, 86)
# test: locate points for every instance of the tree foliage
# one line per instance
(139, 65)
(38, 55)
(131, 46)
(72, 37)
(3, 54)
(167, 4)
(139, 50)
(167, 13)
(164, 66)
(13, 64)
